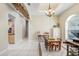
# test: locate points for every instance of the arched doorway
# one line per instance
(72, 27)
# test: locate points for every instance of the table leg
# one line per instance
(67, 50)
(59, 45)
(78, 51)
(52, 47)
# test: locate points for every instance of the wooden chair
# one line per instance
(51, 45)
(47, 44)
(57, 45)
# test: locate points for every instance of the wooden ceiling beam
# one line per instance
(21, 9)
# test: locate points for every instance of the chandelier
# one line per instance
(49, 12)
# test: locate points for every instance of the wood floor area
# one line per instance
(31, 48)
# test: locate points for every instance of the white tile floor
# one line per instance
(30, 48)
(45, 52)
(24, 48)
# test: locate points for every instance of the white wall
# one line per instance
(19, 25)
(3, 27)
(40, 23)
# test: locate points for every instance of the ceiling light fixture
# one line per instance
(49, 12)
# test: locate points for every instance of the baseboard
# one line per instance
(3, 51)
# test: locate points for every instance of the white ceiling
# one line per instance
(40, 8)
(63, 7)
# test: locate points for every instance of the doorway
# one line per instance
(72, 27)
(11, 32)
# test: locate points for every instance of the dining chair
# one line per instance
(57, 45)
